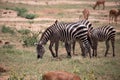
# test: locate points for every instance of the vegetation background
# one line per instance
(18, 58)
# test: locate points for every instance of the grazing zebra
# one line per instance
(65, 32)
(89, 27)
(104, 33)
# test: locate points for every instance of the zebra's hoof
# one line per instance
(105, 55)
(113, 55)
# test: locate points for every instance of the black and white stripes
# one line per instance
(81, 31)
(66, 32)
(88, 24)
(104, 33)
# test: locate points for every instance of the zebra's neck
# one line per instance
(45, 37)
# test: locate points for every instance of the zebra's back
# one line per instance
(71, 31)
(103, 33)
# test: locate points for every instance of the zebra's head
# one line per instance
(40, 51)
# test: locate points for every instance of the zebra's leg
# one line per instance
(94, 47)
(113, 46)
(107, 47)
(89, 50)
(56, 48)
(73, 47)
(50, 48)
(82, 48)
(68, 49)
(95, 52)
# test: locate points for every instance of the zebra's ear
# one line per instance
(56, 21)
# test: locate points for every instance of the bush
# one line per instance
(21, 11)
(6, 29)
(29, 41)
(24, 31)
(30, 16)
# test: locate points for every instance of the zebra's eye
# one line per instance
(39, 46)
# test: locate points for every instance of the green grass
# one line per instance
(6, 29)
(29, 65)
(25, 62)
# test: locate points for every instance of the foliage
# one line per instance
(30, 16)
(6, 29)
(24, 31)
(21, 11)
(28, 37)
(30, 40)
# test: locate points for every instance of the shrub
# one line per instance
(30, 16)
(6, 29)
(21, 11)
(29, 41)
(24, 31)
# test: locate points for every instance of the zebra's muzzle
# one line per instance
(39, 57)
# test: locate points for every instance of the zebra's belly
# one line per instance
(101, 40)
(69, 40)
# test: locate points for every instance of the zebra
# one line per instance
(65, 32)
(105, 33)
(89, 27)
